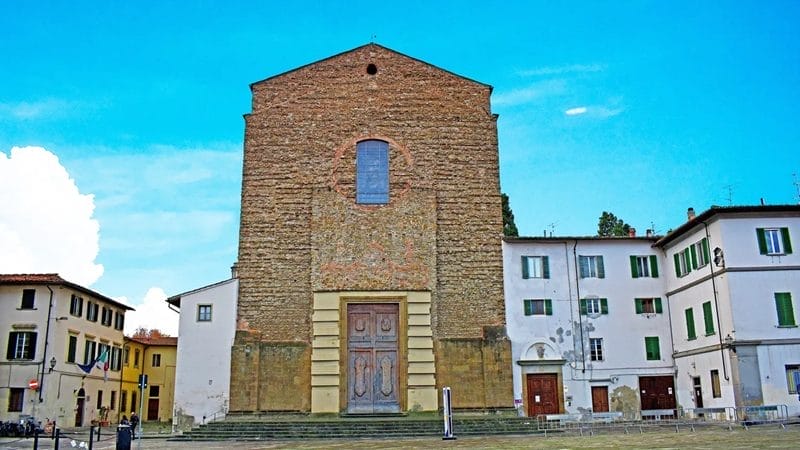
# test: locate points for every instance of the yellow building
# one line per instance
(154, 357)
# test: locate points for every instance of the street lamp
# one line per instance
(52, 363)
(729, 343)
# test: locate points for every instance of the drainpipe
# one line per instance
(46, 338)
(578, 294)
(716, 306)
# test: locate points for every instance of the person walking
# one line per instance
(134, 423)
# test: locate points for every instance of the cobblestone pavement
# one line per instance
(763, 437)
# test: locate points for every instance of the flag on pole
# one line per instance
(87, 367)
(102, 363)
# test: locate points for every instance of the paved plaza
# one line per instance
(762, 437)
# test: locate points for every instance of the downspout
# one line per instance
(716, 306)
(46, 338)
(578, 294)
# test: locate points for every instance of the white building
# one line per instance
(589, 325)
(206, 328)
(733, 282)
(49, 325)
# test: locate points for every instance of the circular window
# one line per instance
(372, 69)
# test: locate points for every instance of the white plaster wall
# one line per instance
(622, 330)
(740, 243)
(202, 377)
(752, 296)
(701, 366)
(772, 361)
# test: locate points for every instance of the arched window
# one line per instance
(372, 172)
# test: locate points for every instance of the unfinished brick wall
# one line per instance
(301, 230)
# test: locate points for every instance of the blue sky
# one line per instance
(640, 108)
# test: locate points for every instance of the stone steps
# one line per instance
(245, 430)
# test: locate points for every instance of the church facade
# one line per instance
(370, 266)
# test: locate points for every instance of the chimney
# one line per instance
(235, 270)
(649, 232)
(632, 232)
(690, 214)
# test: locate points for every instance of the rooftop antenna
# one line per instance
(372, 39)
(730, 194)
(552, 228)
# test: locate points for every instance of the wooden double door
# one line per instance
(542, 394)
(372, 358)
(657, 392)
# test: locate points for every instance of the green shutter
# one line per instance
(545, 267)
(528, 307)
(687, 255)
(634, 270)
(583, 306)
(762, 241)
(583, 262)
(708, 318)
(783, 303)
(706, 257)
(548, 307)
(652, 348)
(604, 306)
(659, 309)
(525, 274)
(654, 266)
(787, 243)
(690, 332)
(693, 254)
(601, 271)
(639, 307)
(677, 259)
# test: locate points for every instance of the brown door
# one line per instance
(79, 408)
(657, 392)
(542, 394)
(372, 343)
(152, 409)
(600, 398)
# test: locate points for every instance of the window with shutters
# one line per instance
(690, 331)
(699, 253)
(783, 304)
(76, 306)
(538, 307)
(683, 262)
(535, 267)
(644, 266)
(774, 241)
(648, 305)
(21, 345)
(596, 349)
(156, 360)
(92, 309)
(652, 348)
(136, 357)
(708, 318)
(72, 348)
(116, 358)
(107, 316)
(594, 306)
(28, 297)
(591, 266)
(89, 351)
(716, 390)
(372, 172)
(119, 320)
(793, 378)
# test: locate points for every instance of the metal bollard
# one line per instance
(36, 438)
(53, 436)
(56, 436)
(91, 436)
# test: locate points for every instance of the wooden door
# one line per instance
(657, 392)
(372, 347)
(79, 408)
(600, 398)
(152, 409)
(542, 394)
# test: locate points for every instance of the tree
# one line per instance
(144, 333)
(610, 225)
(509, 227)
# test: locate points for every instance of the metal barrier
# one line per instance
(755, 415)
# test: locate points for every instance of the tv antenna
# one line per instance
(796, 184)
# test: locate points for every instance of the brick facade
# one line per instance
(302, 232)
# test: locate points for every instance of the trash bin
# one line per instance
(124, 435)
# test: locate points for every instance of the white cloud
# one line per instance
(151, 313)
(558, 70)
(36, 109)
(575, 111)
(527, 94)
(46, 224)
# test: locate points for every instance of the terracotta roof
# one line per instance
(163, 340)
(765, 210)
(55, 279)
(520, 239)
